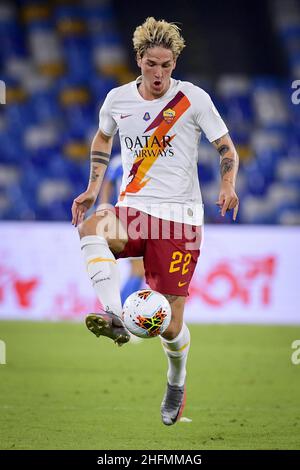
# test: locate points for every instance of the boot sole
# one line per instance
(101, 327)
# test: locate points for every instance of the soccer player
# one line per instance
(110, 190)
(160, 120)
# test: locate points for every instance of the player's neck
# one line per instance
(146, 93)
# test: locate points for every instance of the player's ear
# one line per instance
(138, 60)
(174, 64)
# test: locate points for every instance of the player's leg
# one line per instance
(176, 344)
(169, 266)
(103, 236)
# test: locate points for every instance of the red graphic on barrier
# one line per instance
(247, 280)
(229, 280)
(66, 304)
(71, 305)
(22, 289)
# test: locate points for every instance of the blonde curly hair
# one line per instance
(157, 33)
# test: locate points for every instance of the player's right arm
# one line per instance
(100, 154)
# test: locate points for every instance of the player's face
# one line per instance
(157, 65)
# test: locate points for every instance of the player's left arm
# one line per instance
(229, 163)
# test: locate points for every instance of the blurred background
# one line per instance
(59, 59)
(60, 387)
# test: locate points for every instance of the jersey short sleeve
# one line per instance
(207, 116)
(107, 123)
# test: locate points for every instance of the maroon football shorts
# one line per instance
(170, 250)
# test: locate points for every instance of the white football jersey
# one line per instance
(159, 146)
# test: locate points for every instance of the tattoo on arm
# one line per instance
(100, 160)
(100, 154)
(94, 175)
(228, 158)
(223, 149)
(100, 157)
(222, 144)
(218, 141)
(227, 165)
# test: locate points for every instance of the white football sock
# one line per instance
(103, 272)
(177, 352)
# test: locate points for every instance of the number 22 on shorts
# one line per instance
(180, 262)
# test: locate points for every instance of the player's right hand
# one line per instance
(80, 206)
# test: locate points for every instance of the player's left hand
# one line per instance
(228, 199)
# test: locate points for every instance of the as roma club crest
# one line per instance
(169, 115)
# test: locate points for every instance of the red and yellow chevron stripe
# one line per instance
(141, 165)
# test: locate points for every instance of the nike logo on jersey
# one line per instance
(123, 116)
(181, 284)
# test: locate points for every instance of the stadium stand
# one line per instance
(58, 62)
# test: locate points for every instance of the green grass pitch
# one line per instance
(62, 388)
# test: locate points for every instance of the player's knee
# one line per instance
(173, 329)
(88, 227)
(104, 225)
(177, 305)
